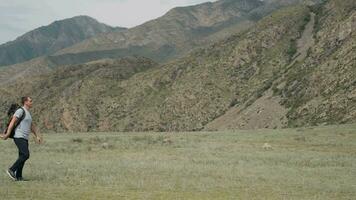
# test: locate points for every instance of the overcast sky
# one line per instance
(20, 16)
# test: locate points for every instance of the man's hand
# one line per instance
(38, 140)
(3, 137)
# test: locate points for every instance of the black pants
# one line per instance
(24, 154)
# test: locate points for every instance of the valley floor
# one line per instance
(303, 163)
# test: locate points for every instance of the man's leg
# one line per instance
(24, 154)
(19, 170)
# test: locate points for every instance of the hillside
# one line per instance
(176, 33)
(182, 95)
(47, 40)
(317, 86)
(279, 73)
(171, 36)
(322, 88)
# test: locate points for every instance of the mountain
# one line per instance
(317, 85)
(322, 88)
(47, 40)
(294, 67)
(176, 33)
(182, 95)
(54, 88)
(171, 36)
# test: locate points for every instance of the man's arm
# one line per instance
(9, 129)
(34, 131)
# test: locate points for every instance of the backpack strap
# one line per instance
(22, 116)
(17, 123)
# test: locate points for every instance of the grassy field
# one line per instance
(304, 163)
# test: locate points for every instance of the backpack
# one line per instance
(10, 113)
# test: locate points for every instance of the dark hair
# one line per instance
(23, 99)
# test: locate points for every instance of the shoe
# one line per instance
(11, 174)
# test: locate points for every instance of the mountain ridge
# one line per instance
(293, 68)
(209, 18)
(171, 36)
(182, 95)
(46, 40)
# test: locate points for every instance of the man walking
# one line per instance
(21, 136)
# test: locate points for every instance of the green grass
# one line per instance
(304, 163)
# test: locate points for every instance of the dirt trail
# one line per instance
(306, 41)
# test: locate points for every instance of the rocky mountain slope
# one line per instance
(317, 86)
(322, 88)
(183, 95)
(47, 40)
(295, 67)
(170, 36)
(176, 33)
(82, 85)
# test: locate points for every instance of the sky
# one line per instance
(20, 16)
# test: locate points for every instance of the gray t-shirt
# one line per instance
(23, 130)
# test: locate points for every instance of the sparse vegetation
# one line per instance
(305, 163)
(186, 94)
(292, 48)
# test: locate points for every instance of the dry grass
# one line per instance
(307, 163)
